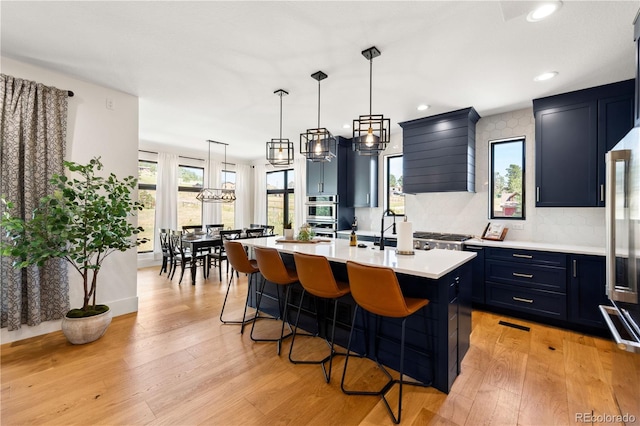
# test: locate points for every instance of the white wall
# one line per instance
(468, 213)
(93, 130)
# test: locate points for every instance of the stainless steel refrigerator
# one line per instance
(623, 272)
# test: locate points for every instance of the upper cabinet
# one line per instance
(439, 152)
(353, 177)
(330, 177)
(362, 171)
(573, 132)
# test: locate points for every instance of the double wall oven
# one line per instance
(322, 214)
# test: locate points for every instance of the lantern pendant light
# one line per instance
(318, 145)
(371, 132)
(280, 151)
(217, 195)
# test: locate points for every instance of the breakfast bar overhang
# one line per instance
(436, 341)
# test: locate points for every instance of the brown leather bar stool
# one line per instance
(316, 278)
(240, 262)
(273, 269)
(376, 290)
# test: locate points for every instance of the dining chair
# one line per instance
(214, 229)
(218, 255)
(255, 232)
(167, 254)
(191, 228)
(183, 258)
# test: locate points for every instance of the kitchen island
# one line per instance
(436, 341)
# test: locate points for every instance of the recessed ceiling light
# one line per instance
(545, 76)
(423, 107)
(346, 126)
(543, 10)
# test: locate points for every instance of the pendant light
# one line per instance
(217, 195)
(280, 151)
(318, 144)
(370, 132)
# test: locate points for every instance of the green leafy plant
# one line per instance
(86, 219)
(306, 233)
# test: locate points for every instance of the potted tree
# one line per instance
(85, 220)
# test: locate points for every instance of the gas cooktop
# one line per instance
(437, 236)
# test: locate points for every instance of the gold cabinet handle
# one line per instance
(520, 299)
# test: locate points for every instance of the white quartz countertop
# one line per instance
(530, 245)
(431, 264)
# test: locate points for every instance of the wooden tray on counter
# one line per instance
(282, 240)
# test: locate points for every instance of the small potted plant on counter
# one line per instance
(288, 230)
(306, 233)
(86, 219)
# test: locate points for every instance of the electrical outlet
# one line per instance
(110, 104)
(518, 226)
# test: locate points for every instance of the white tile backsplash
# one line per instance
(463, 212)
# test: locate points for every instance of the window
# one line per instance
(506, 197)
(394, 194)
(147, 178)
(280, 199)
(228, 180)
(190, 181)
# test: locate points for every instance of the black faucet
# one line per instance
(382, 229)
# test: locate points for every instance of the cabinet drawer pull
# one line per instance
(524, 256)
(517, 274)
(520, 299)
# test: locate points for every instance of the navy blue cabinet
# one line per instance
(362, 173)
(330, 177)
(573, 131)
(587, 290)
(439, 152)
(526, 281)
(477, 274)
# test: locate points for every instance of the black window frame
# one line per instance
(148, 187)
(387, 189)
(492, 145)
(286, 191)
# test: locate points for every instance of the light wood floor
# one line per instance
(174, 363)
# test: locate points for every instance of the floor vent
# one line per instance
(512, 325)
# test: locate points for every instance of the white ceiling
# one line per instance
(208, 69)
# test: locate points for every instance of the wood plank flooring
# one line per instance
(173, 362)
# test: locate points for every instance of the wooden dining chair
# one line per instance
(191, 228)
(255, 232)
(185, 259)
(214, 229)
(219, 254)
(167, 254)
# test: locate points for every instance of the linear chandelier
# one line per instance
(280, 151)
(318, 145)
(217, 195)
(370, 132)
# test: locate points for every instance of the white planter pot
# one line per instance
(85, 330)
(288, 234)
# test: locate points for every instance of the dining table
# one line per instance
(199, 242)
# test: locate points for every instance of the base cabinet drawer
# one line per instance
(538, 302)
(527, 275)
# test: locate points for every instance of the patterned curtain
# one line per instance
(33, 127)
